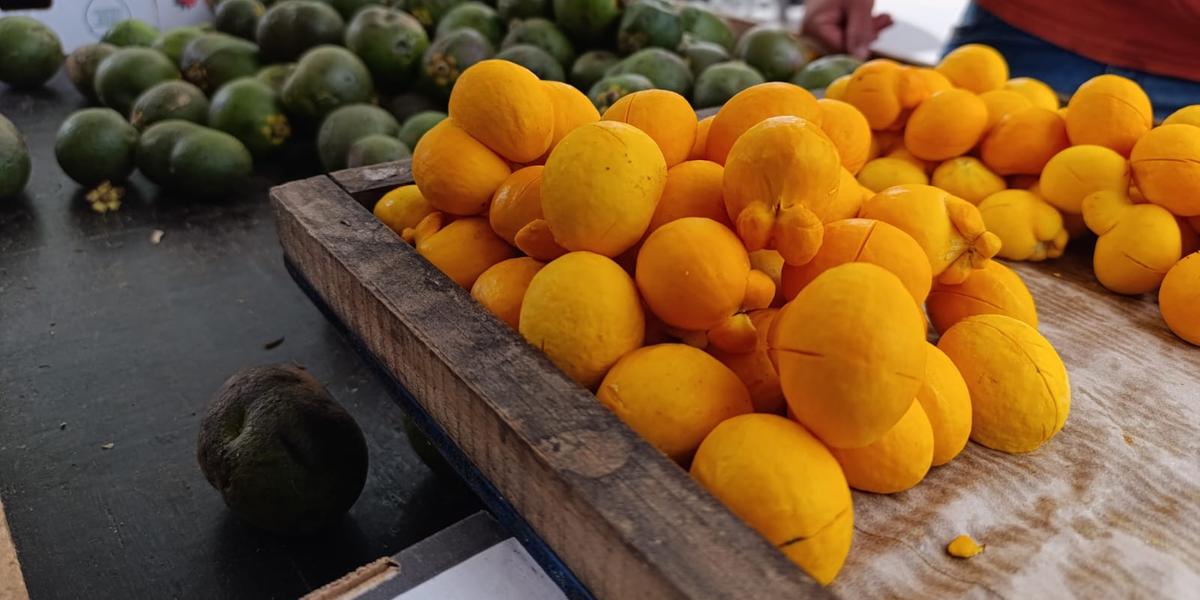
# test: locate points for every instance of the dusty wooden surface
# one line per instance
(12, 582)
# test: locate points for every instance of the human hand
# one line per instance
(844, 25)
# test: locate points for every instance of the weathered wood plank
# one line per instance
(12, 583)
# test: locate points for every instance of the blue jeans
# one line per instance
(1062, 69)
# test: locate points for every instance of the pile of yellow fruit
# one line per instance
(735, 290)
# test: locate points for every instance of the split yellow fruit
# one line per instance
(798, 500)
(402, 208)
(673, 395)
(975, 67)
(571, 110)
(601, 186)
(1078, 171)
(882, 173)
(848, 130)
(851, 379)
(947, 404)
(1038, 93)
(583, 312)
(700, 146)
(1188, 115)
(967, 178)
(770, 262)
(949, 229)
(755, 368)
(946, 125)
(1020, 393)
(1002, 102)
(1109, 111)
(1138, 243)
(781, 183)
(664, 115)
(754, 105)
(868, 241)
(883, 91)
(516, 203)
(994, 289)
(1024, 141)
(1166, 167)
(1028, 227)
(837, 88)
(895, 462)
(455, 172)
(504, 106)
(501, 288)
(693, 189)
(1179, 299)
(462, 249)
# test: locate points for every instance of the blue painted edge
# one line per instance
(495, 502)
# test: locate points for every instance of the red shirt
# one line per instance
(1155, 36)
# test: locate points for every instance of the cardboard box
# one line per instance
(80, 22)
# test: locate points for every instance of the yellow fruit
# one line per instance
(968, 179)
(1166, 167)
(1079, 171)
(849, 199)
(571, 110)
(994, 289)
(1020, 393)
(947, 404)
(1024, 141)
(1002, 102)
(1179, 299)
(882, 173)
(583, 311)
(754, 105)
(770, 262)
(946, 125)
(664, 115)
(869, 241)
(462, 249)
(884, 143)
(673, 395)
(1109, 111)
(455, 172)
(402, 208)
(755, 368)
(1028, 227)
(895, 462)
(700, 146)
(781, 183)
(1138, 243)
(798, 500)
(975, 67)
(1188, 115)
(837, 88)
(1038, 93)
(949, 229)
(928, 81)
(848, 130)
(536, 240)
(506, 107)
(501, 288)
(516, 203)
(963, 547)
(601, 186)
(882, 91)
(904, 154)
(852, 378)
(693, 189)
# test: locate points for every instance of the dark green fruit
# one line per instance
(96, 145)
(666, 69)
(345, 126)
(535, 59)
(702, 24)
(473, 15)
(250, 111)
(390, 42)
(129, 33)
(209, 164)
(173, 41)
(702, 55)
(588, 21)
(415, 127)
(447, 57)
(14, 160)
(544, 35)
(719, 83)
(239, 18)
(275, 75)
(169, 100)
(614, 87)
(290, 28)
(349, 8)
(128, 73)
(284, 455)
(325, 78)
(153, 156)
(649, 24)
(374, 149)
(818, 74)
(776, 53)
(522, 9)
(430, 12)
(405, 106)
(82, 64)
(214, 59)
(30, 53)
(591, 66)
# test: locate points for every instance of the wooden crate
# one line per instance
(1099, 511)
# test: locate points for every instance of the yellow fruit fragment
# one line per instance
(402, 208)
(947, 404)
(895, 462)
(516, 203)
(963, 547)
(501, 288)
(994, 289)
(967, 178)
(1028, 227)
(1074, 173)
(461, 249)
(882, 173)
(1179, 299)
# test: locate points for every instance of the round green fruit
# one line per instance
(173, 41)
(14, 160)
(720, 82)
(430, 12)
(30, 53)
(345, 126)
(82, 64)
(96, 145)
(275, 75)
(588, 21)
(416, 126)
(649, 24)
(614, 87)
(209, 164)
(374, 149)
(390, 42)
(326, 78)
(702, 24)
(473, 15)
(405, 106)
(666, 69)
(214, 59)
(776, 53)
(702, 55)
(128, 73)
(290, 28)
(129, 33)
(169, 100)
(153, 155)
(535, 59)
(522, 9)
(448, 56)
(818, 74)
(591, 66)
(250, 111)
(239, 18)
(349, 8)
(543, 34)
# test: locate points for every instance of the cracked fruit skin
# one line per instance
(1109, 111)
(1020, 392)
(1137, 244)
(455, 172)
(967, 178)
(501, 288)
(994, 289)
(947, 403)
(461, 249)
(1074, 173)
(1179, 299)
(504, 106)
(868, 241)
(950, 229)
(780, 480)
(946, 125)
(664, 115)
(1028, 227)
(895, 462)
(852, 378)
(755, 368)
(582, 310)
(975, 67)
(673, 395)
(1166, 167)
(693, 189)
(882, 173)
(848, 130)
(601, 186)
(753, 105)
(1024, 141)
(781, 184)
(402, 208)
